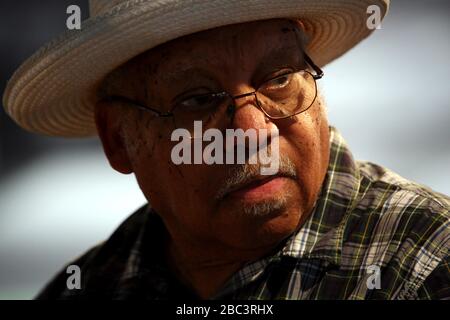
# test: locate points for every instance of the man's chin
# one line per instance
(263, 224)
(254, 210)
(263, 209)
(264, 221)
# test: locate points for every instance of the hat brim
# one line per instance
(53, 92)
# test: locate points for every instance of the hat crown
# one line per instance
(96, 7)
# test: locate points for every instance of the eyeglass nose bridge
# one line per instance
(231, 109)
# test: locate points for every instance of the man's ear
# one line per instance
(107, 120)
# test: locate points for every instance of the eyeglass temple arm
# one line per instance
(319, 72)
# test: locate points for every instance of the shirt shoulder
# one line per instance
(398, 225)
(382, 177)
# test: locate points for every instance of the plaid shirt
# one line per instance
(371, 235)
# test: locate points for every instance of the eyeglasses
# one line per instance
(287, 94)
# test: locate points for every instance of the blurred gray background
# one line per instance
(389, 97)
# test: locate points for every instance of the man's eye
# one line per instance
(198, 102)
(278, 82)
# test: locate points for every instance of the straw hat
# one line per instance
(53, 92)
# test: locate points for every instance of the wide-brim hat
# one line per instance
(54, 91)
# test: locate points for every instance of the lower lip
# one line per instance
(265, 190)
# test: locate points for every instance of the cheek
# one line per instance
(309, 144)
(305, 135)
(176, 192)
(167, 186)
(146, 155)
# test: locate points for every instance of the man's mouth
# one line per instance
(259, 188)
(248, 184)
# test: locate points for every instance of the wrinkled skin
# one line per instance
(208, 239)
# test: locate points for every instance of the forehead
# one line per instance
(228, 45)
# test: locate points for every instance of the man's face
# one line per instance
(235, 59)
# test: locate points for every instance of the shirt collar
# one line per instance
(322, 234)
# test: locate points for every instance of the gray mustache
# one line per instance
(246, 173)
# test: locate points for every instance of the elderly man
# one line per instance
(322, 226)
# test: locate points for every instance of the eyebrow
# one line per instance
(275, 58)
(183, 73)
(268, 61)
